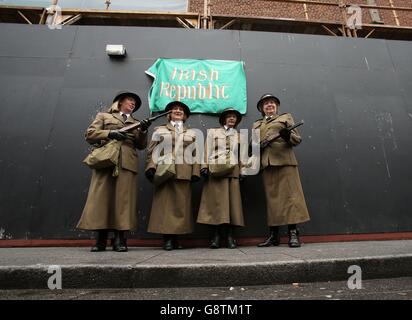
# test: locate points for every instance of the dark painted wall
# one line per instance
(354, 95)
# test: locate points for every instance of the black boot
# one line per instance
(175, 242)
(119, 243)
(101, 241)
(231, 243)
(293, 237)
(167, 242)
(274, 238)
(215, 242)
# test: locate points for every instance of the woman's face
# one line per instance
(230, 120)
(127, 105)
(269, 107)
(178, 113)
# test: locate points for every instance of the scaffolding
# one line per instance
(208, 20)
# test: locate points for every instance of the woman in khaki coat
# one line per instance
(285, 202)
(171, 213)
(221, 202)
(112, 201)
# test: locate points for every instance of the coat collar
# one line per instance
(172, 128)
(273, 118)
(130, 119)
(226, 132)
(118, 116)
(263, 121)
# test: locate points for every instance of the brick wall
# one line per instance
(278, 9)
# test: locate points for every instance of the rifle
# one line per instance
(137, 125)
(264, 143)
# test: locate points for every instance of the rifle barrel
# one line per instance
(137, 125)
(160, 115)
(273, 138)
(295, 126)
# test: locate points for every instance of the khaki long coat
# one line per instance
(171, 211)
(285, 201)
(112, 201)
(221, 201)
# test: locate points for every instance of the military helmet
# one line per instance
(264, 97)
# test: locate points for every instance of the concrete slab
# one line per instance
(27, 268)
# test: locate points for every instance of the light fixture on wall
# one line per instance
(116, 50)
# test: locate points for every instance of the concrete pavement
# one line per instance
(374, 289)
(27, 268)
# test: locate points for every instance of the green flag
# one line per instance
(206, 86)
